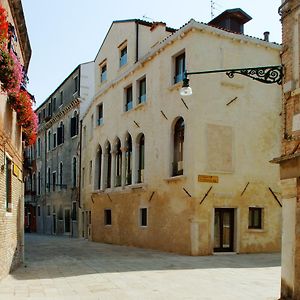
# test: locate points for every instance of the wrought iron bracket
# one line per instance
(265, 74)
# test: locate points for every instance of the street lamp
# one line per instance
(265, 74)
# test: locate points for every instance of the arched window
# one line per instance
(74, 124)
(98, 166)
(60, 133)
(74, 172)
(118, 163)
(178, 147)
(141, 158)
(107, 165)
(128, 160)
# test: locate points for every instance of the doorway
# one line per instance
(54, 223)
(67, 220)
(224, 230)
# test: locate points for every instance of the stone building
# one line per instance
(11, 175)
(189, 175)
(57, 154)
(290, 153)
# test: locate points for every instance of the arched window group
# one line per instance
(115, 167)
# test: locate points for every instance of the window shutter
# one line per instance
(73, 126)
(59, 136)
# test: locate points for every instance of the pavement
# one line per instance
(63, 268)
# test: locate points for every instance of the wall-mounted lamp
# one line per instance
(266, 74)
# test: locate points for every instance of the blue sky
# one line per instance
(65, 33)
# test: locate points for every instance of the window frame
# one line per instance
(142, 98)
(251, 218)
(123, 54)
(141, 217)
(128, 105)
(178, 76)
(103, 72)
(107, 217)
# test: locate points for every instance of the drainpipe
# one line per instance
(136, 41)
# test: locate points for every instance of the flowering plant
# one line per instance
(11, 78)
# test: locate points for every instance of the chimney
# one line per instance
(231, 20)
(266, 36)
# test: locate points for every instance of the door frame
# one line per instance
(233, 224)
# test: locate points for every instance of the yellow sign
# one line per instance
(207, 178)
(17, 172)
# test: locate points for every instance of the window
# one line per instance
(74, 172)
(128, 98)
(40, 118)
(49, 109)
(54, 104)
(143, 217)
(179, 67)
(103, 72)
(60, 174)
(118, 163)
(38, 147)
(74, 124)
(83, 177)
(141, 158)
(8, 171)
(100, 114)
(178, 147)
(48, 210)
(53, 181)
(74, 211)
(107, 165)
(128, 160)
(255, 218)
(90, 172)
(49, 141)
(48, 179)
(39, 183)
(39, 211)
(107, 216)
(33, 186)
(98, 167)
(92, 126)
(60, 133)
(61, 98)
(54, 140)
(142, 91)
(123, 56)
(75, 84)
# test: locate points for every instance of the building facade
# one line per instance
(56, 165)
(11, 151)
(188, 175)
(289, 160)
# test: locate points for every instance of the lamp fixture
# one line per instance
(265, 74)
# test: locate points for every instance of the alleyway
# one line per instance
(64, 268)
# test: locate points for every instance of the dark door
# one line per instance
(224, 230)
(54, 223)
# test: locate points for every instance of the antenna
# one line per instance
(147, 18)
(212, 8)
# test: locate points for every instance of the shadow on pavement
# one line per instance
(54, 257)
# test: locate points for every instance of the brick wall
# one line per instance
(11, 223)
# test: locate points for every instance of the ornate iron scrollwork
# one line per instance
(269, 75)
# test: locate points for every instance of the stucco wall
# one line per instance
(233, 142)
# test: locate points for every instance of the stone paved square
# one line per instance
(76, 269)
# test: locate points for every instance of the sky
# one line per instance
(66, 33)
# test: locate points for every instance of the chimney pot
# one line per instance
(266, 36)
